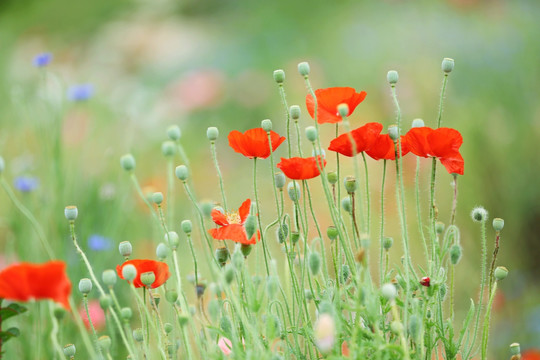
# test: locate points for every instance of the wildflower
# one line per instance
(97, 242)
(297, 168)
(442, 143)
(364, 138)
(25, 281)
(254, 142)
(160, 270)
(532, 354)
(425, 281)
(25, 183)
(328, 101)
(80, 92)
(43, 59)
(384, 148)
(232, 225)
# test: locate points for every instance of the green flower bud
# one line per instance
(387, 243)
(250, 225)
(138, 335)
(173, 132)
(172, 238)
(332, 232)
(346, 204)
(237, 258)
(314, 262)
(442, 291)
(332, 177)
(415, 326)
(279, 76)
(293, 189)
(70, 350)
(280, 180)
(343, 110)
(396, 327)
(222, 255)
(182, 172)
(515, 349)
(212, 133)
(126, 313)
(282, 233)
(71, 213)
(85, 286)
(129, 272)
(229, 274)
(246, 249)
(125, 249)
(266, 125)
(148, 278)
(206, 208)
(295, 112)
(225, 324)
(157, 198)
(303, 68)
(500, 273)
(479, 214)
(59, 312)
(168, 327)
(127, 162)
(168, 148)
(416, 123)
(295, 237)
(389, 291)
(447, 65)
(455, 254)
(393, 132)
(439, 227)
(308, 294)
(171, 295)
(105, 302)
(162, 251)
(392, 77)
(109, 277)
(272, 286)
(498, 224)
(350, 184)
(183, 320)
(157, 298)
(311, 133)
(2, 165)
(345, 273)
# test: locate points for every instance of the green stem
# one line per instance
(418, 209)
(170, 191)
(216, 165)
(85, 302)
(441, 100)
(54, 332)
(367, 195)
(287, 116)
(265, 250)
(485, 335)
(381, 274)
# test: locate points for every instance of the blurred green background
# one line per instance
(203, 63)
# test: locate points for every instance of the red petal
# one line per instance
(443, 142)
(328, 100)
(160, 270)
(301, 168)
(416, 139)
(219, 217)
(254, 142)
(243, 210)
(364, 138)
(454, 163)
(234, 232)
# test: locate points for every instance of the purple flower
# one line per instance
(97, 242)
(25, 183)
(80, 92)
(41, 60)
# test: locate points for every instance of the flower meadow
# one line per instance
(301, 267)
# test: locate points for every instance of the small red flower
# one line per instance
(328, 101)
(425, 281)
(297, 168)
(364, 138)
(232, 225)
(160, 270)
(531, 354)
(254, 142)
(442, 143)
(25, 281)
(383, 148)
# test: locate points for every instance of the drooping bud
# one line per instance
(439, 227)
(295, 237)
(129, 272)
(311, 133)
(295, 112)
(228, 273)
(127, 162)
(222, 255)
(303, 68)
(162, 251)
(173, 132)
(314, 262)
(148, 278)
(500, 273)
(293, 189)
(225, 324)
(479, 214)
(498, 224)
(280, 180)
(168, 327)
(425, 281)
(393, 132)
(332, 177)
(447, 65)
(266, 125)
(138, 335)
(350, 184)
(346, 204)
(212, 133)
(109, 277)
(455, 254)
(387, 243)
(392, 77)
(279, 76)
(325, 333)
(183, 320)
(168, 148)
(125, 249)
(246, 249)
(71, 212)
(283, 233)
(343, 110)
(332, 232)
(182, 172)
(85, 286)
(157, 198)
(345, 273)
(416, 123)
(172, 238)
(389, 291)
(70, 350)
(250, 225)
(59, 312)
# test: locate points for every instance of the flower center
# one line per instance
(233, 217)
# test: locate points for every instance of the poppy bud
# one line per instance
(173, 132)
(500, 273)
(222, 255)
(127, 162)
(447, 65)
(237, 258)
(182, 172)
(283, 233)
(162, 251)
(393, 132)
(498, 224)
(346, 204)
(294, 191)
(2, 165)
(71, 213)
(314, 262)
(303, 68)
(345, 273)
(229, 274)
(85, 286)
(59, 312)
(225, 324)
(172, 237)
(157, 198)
(148, 278)
(104, 343)
(455, 254)
(138, 335)
(280, 180)
(479, 214)
(109, 277)
(396, 327)
(425, 281)
(129, 272)
(125, 249)
(105, 301)
(387, 243)
(246, 249)
(171, 295)
(182, 320)
(279, 76)
(272, 286)
(295, 112)
(70, 350)
(212, 133)
(126, 313)
(168, 327)
(418, 123)
(392, 77)
(168, 148)
(389, 291)
(332, 232)
(350, 184)
(515, 349)
(343, 110)
(206, 208)
(332, 177)
(311, 133)
(439, 227)
(308, 294)
(266, 125)
(295, 236)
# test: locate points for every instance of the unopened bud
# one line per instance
(416, 123)
(332, 232)
(345, 273)
(343, 110)
(279, 76)
(439, 227)
(392, 77)
(172, 238)
(295, 112)
(70, 350)
(105, 302)
(283, 233)
(127, 162)
(280, 180)
(109, 277)
(314, 262)
(173, 132)
(266, 125)
(396, 327)
(500, 273)
(168, 148)
(182, 172)
(157, 198)
(272, 286)
(250, 225)
(162, 251)
(332, 177)
(311, 133)
(85, 286)
(229, 274)
(237, 258)
(293, 189)
(126, 313)
(387, 243)
(246, 249)
(515, 349)
(129, 272)
(295, 237)
(447, 65)
(125, 249)
(59, 312)
(350, 184)
(479, 214)
(148, 278)
(389, 291)
(303, 68)
(415, 325)
(138, 335)
(212, 133)
(222, 255)
(346, 204)
(225, 324)
(498, 224)
(393, 132)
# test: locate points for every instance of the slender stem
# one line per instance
(402, 337)
(491, 279)
(287, 117)
(216, 165)
(190, 243)
(338, 176)
(265, 250)
(141, 195)
(487, 317)
(419, 210)
(82, 330)
(170, 191)
(85, 302)
(381, 275)
(454, 201)
(54, 332)
(441, 100)
(368, 200)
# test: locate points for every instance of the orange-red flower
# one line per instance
(531, 354)
(442, 143)
(254, 142)
(160, 270)
(232, 225)
(364, 138)
(25, 281)
(328, 101)
(383, 148)
(297, 168)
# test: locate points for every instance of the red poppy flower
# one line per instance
(328, 101)
(25, 281)
(364, 138)
(160, 270)
(254, 142)
(383, 148)
(442, 143)
(530, 355)
(232, 225)
(297, 168)
(425, 281)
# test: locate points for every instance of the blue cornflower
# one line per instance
(25, 183)
(97, 242)
(80, 92)
(41, 60)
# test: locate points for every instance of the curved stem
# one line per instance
(216, 165)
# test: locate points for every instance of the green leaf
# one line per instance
(8, 334)
(11, 310)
